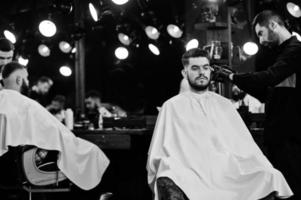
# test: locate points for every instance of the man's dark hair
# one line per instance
(193, 53)
(93, 94)
(11, 67)
(6, 45)
(45, 79)
(59, 98)
(264, 18)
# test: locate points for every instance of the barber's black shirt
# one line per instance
(283, 104)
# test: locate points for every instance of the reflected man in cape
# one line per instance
(28, 123)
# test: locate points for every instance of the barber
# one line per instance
(279, 87)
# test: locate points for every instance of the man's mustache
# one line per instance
(204, 77)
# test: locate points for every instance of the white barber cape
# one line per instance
(202, 144)
(28, 123)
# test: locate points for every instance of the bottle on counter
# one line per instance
(69, 118)
(100, 122)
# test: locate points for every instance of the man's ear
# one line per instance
(18, 80)
(184, 73)
(273, 25)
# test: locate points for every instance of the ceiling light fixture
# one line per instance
(47, 28)
(193, 43)
(293, 9)
(174, 31)
(65, 47)
(250, 48)
(154, 49)
(23, 61)
(120, 2)
(93, 12)
(124, 39)
(152, 32)
(121, 53)
(65, 71)
(10, 36)
(44, 50)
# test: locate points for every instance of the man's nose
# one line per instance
(201, 71)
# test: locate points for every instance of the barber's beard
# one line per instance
(198, 87)
(272, 39)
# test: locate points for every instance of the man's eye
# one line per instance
(205, 67)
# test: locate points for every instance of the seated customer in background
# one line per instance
(28, 123)
(39, 91)
(57, 108)
(95, 106)
(202, 150)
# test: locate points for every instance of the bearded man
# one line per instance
(279, 88)
(26, 122)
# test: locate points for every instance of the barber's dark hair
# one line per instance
(93, 94)
(6, 45)
(11, 67)
(194, 53)
(263, 18)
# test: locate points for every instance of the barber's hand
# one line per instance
(221, 73)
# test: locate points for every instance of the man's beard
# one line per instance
(197, 87)
(24, 89)
(272, 39)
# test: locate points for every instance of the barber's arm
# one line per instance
(286, 64)
(225, 75)
(268, 78)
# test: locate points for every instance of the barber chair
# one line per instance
(30, 169)
(23, 168)
(44, 177)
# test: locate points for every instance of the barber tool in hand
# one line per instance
(222, 73)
